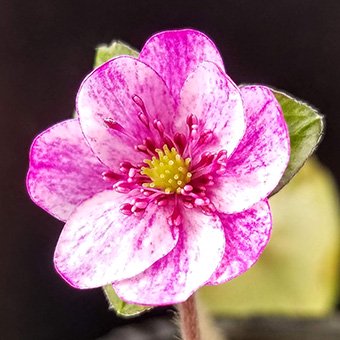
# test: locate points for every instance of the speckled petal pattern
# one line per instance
(187, 267)
(100, 245)
(215, 100)
(246, 233)
(175, 54)
(107, 93)
(261, 158)
(63, 170)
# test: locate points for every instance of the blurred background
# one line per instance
(46, 49)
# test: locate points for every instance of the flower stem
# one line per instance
(188, 316)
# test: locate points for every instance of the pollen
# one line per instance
(168, 172)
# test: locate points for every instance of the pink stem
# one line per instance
(189, 319)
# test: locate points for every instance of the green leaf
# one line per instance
(306, 128)
(120, 307)
(117, 48)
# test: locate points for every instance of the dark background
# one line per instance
(47, 47)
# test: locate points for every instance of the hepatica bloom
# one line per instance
(162, 178)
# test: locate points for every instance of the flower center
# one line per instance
(169, 172)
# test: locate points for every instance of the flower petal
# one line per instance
(260, 159)
(175, 54)
(216, 101)
(107, 93)
(100, 245)
(63, 170)
(187, 267)
(247, 233)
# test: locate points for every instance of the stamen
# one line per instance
(208, 209)
(199, 202)
(188, 188)
(142, 148)
(150, 144)
(176, 218)
(168, 141)
(192, 120)
(192, 123)
(180, 141)
(138, 101)
(157, 124)
(162, 202)
(112, 124)
(132, 172)
(206, 159)
(141, 204)
(126, 209)
(144, 119)
(125, 167)
(148, 147)
(143, 115)
(222, 157)
(203, 180)
(188, 204)
(110, 176)
(123, 187)
(205, 137)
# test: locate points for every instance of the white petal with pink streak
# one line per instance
(246, 233)
(107, 93)
(259, 161)
(175, 54)
(215, 100)
(187, 267)
(100, 245)
(63, 170)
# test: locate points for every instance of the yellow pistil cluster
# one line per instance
(169, 171)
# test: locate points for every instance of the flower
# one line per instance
(163, 177)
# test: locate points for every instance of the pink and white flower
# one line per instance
(164, 176)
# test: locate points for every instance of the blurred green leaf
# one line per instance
(306, 128)
(115, 49)
(120, 307)
(298, 272)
